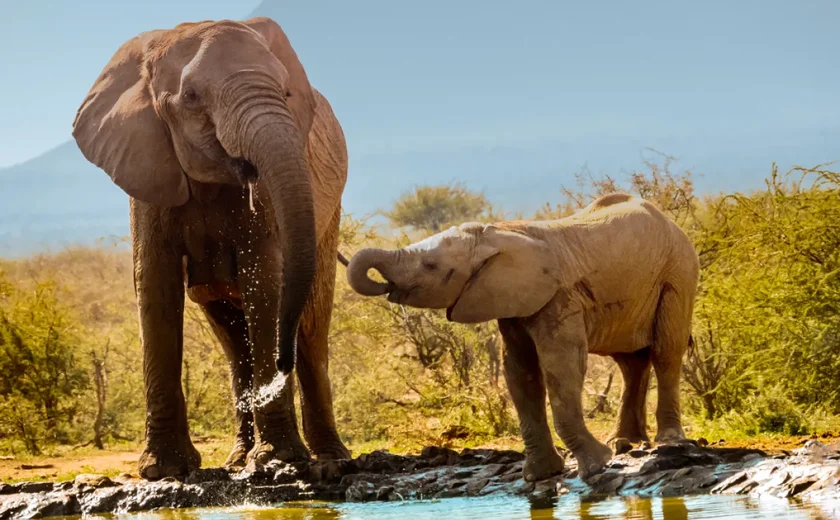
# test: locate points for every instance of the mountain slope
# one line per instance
(60, 198)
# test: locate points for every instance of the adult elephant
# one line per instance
(235, 166)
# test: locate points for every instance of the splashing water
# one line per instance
(243, 404)
(268, 392)
(264, 395)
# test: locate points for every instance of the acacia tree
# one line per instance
(430, 208)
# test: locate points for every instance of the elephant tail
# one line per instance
(343, 259)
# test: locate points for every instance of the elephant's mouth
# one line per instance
(449, 309)
(242, 170)
(397, 295)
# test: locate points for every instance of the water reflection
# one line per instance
(629, 508)
(670, 508)
(287, 511)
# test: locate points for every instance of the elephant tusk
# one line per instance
(251, 188)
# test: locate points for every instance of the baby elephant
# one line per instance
(617, 279)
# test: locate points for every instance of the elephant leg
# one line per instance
(313, 355)
(562, 350)
(671, 334)
(231, 329)
(159, 287)
(632, 418)
(527, 390)
(276, 435)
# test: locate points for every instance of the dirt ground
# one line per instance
(66, 464)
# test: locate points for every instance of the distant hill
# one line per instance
(59, 198)
(56, 199)
(421, 110)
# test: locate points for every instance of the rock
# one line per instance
(287, 473)
(709, 481)
(669, 450)
(750, 457)
(680, 473)
(8, 489)
(94, 481)
(207, 475)
(52, 505)
(35, 487)
(464, 473)
(384, 492)
(612, 485)
(730, 482)
(702, 442)
(432, 452)
(452, 490)
(491, 470)
(505, 457)
(799, 485)
(670, 470)
(521, 487)
(127, 477)
(475, 486)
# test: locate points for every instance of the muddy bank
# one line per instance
(812, 472)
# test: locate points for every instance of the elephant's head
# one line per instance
(213, 102)
(476, 272)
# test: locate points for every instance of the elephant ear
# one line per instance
(326, 153)
(514, 277)
(301, 100)
(118, 129)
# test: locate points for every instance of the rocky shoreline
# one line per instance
(810, 473)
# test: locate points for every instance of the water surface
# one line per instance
(572, 507)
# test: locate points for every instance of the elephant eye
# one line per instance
(190, 96)
(431, 266)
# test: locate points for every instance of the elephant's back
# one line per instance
(626, 252)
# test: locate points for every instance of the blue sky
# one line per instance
(52, 50)
(407, 76)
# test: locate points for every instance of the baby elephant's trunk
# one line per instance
(361, 263)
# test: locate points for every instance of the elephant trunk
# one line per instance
(364, 260)
(258, 127)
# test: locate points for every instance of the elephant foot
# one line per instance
(338, 452)
(168, 458)
(673, 435)
(264, 452)
(631, 435)
(538, 468)
(620, 445)
(593, 460)
(238, 455)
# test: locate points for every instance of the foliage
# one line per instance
(433, 207)
(40, 376)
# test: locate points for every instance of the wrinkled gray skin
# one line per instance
(184, 121)
(618, 279)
